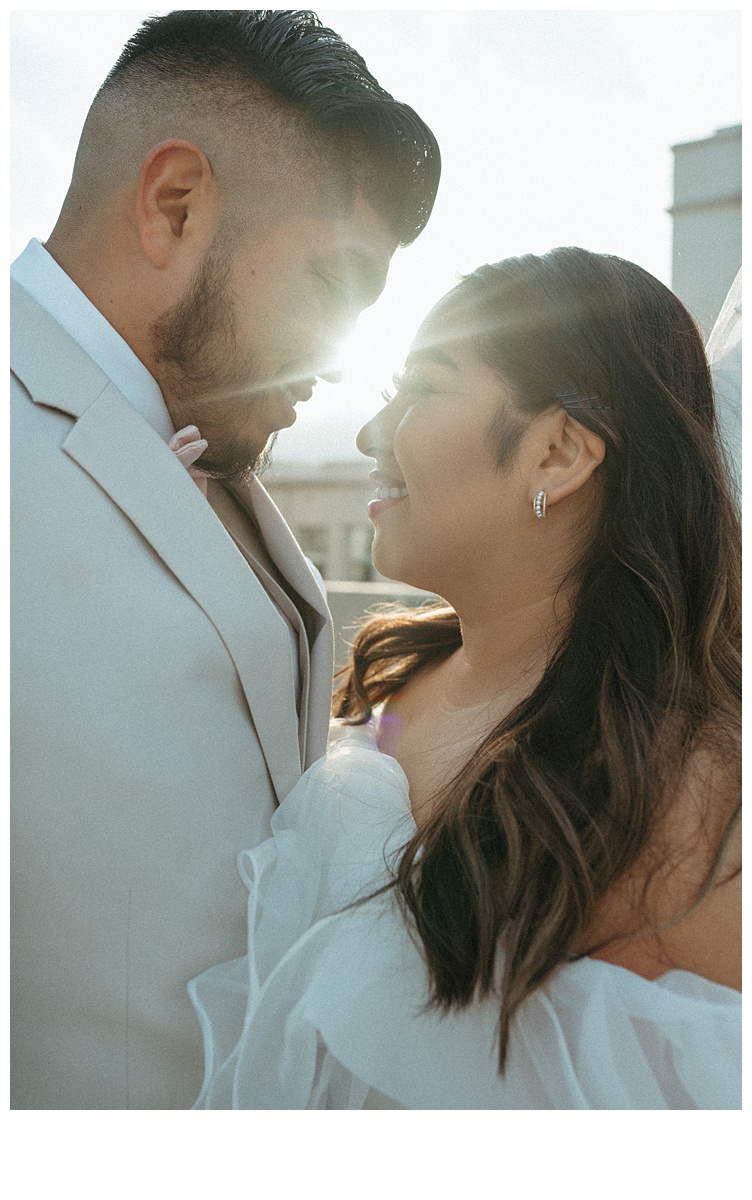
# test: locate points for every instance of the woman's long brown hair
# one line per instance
(566, 792)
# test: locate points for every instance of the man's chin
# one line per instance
(264, 460)
(237, 467)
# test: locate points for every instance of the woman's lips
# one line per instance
(387, 495)
(376, 507)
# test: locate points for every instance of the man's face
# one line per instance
(261, 320)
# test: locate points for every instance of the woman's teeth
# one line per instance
(390, 493)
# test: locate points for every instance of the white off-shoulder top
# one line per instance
(328, 1008)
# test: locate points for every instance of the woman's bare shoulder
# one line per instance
(685, 893)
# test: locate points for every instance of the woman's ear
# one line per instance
(572, 455)
(177, 202)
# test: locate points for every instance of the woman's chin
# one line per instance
(397, 568)
(385, 558)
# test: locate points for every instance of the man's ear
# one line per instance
(177, 202)
(572, 454)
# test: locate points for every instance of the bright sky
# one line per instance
(555, 127)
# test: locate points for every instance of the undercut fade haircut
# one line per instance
(291, 58)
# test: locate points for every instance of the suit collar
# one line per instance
(58, 296)
(68, 390)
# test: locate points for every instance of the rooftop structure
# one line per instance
(707, 220)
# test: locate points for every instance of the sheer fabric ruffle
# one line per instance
(724, 350)
(328, 1009)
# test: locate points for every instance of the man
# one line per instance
(241, 184)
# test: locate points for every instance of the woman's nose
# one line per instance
(375, 436)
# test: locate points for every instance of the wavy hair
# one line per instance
(566, 793)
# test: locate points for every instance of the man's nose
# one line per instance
(335, 328)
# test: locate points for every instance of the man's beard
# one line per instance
(203, 382)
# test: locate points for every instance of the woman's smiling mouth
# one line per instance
(389, 491)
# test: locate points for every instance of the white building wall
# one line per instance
(326, 508)
(707, 221)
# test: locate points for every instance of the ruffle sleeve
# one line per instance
(330, 1006)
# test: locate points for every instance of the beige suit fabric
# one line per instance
(154, 731)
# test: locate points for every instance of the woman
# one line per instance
(514, 881)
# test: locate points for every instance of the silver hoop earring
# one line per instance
(539, 505)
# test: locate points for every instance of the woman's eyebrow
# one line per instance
(432, 354)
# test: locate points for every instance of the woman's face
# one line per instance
(445, 515)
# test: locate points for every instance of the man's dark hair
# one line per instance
(295, 59)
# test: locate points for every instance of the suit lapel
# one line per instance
(136, 469)
(282, 545)
(292, 563)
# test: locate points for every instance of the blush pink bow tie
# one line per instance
(188, 445)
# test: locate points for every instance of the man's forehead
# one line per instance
(372, 230)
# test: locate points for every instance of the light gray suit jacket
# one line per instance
(154, 731)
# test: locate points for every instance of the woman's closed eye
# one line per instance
(408, 388)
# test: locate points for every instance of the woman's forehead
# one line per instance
(450, 323)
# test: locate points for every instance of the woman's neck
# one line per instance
(504, 650)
